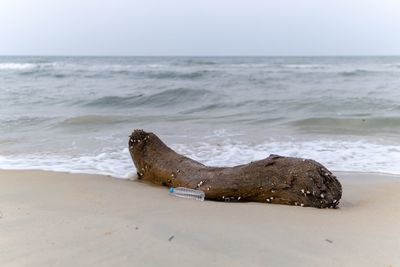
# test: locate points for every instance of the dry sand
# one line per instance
(58, 219)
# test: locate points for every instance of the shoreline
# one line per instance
(132, 176)
(61, 219)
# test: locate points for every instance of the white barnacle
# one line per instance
(271, 198)
(138, 141)
(302, 191)
(326, 174)
(295, 203)
(131, 147)
(334, 201)
(239, 198)
(268, 200)
(308, 192)
(322, 195)
(302, 204)
(272, 191)
(208, 189)
(172, 175)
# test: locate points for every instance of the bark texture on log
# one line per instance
(276, 179)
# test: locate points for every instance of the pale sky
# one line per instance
(201, 27)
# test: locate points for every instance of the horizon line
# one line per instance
(109, 55)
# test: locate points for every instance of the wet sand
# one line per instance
(59, 219)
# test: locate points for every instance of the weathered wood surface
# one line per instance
(276, 179)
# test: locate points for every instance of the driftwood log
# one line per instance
(276, 179)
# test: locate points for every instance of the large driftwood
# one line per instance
(276, 179)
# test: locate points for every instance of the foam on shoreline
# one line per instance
(224, 151)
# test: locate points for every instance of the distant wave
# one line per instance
(203, 108)
(16, 66)
(349, 125)
(170, 97)
(357, 72)
(24, 121)
(181, 70)
(305, 66)
(96, 71)
(145, 73)
(94, 120)
(179, 96)
(114, 101)
(210, 107)
(195, 62)
(175, 74)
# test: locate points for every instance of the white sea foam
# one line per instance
(117, 164)
(336, 155)
(16, 66)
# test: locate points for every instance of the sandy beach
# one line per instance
(59, 219)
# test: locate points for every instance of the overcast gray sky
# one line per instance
(202, 27)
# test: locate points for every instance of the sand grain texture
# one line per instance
(57, 219)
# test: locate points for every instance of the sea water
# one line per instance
(75, 113)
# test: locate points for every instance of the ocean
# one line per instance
(75, 114)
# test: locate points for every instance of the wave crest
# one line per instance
(170, 97)
(94, 120)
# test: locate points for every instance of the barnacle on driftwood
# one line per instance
(275, 179)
